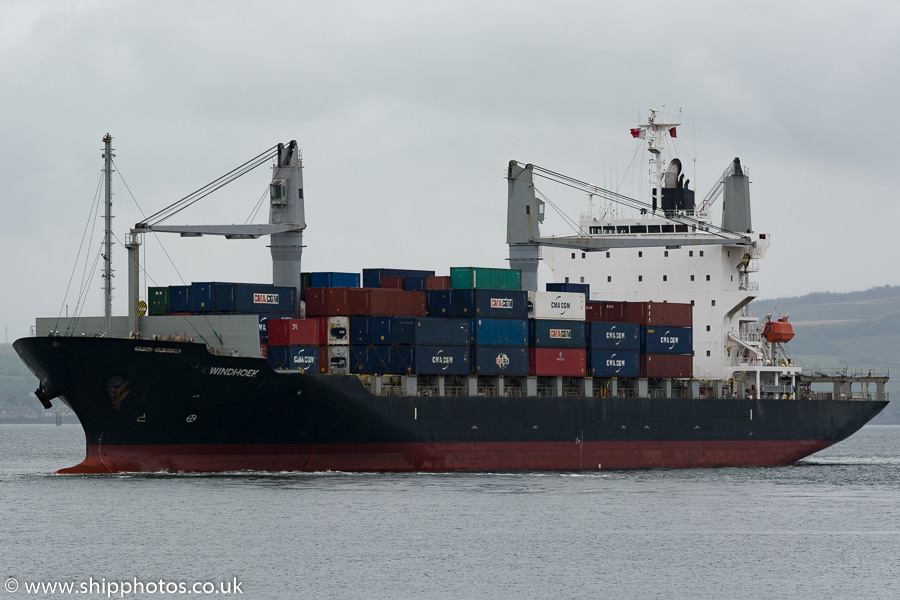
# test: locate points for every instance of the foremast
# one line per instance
(107, 239)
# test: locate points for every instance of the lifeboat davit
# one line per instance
(779, 331)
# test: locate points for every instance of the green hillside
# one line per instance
(855, 329)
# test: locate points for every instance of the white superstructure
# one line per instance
(668, 250)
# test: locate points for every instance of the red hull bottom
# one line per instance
(558, 456)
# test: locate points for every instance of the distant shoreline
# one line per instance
(67, 420)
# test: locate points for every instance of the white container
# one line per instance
(338, 359)
(566, 306)
(338, 331)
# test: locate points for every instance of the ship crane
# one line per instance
(286, 222)
(525, 213)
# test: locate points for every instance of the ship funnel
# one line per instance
(736, 201)
(286, 206)
(524, 214)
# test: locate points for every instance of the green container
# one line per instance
(484, 278)
(159, 301)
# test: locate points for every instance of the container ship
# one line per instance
(643, 353)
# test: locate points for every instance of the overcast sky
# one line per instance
(407, 114)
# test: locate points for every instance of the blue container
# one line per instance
(360, 331)
(666, 340)
(404, 332)
(431, 331)
(499, 332)
(224, 298)
(491, 304)
(575, 288)
(179, 298)
(442, 360)
(439, 303)
(295, 358)
(361, 360)
(613, 363)
(555, 334)
(402, 360)
(614, 336)
(382, 331)
(414, 283)
(203, 297)
(329, 279)
(372, 277)
(256, 298)
(279, 357)
(380, 357)
(430, 360)
(500, 360)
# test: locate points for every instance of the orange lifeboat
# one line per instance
(779, 331)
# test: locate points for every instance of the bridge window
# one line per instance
(609, 229)
(653, 229)
(621, 228)
(638, 229)
(668, 229)
(681, 228)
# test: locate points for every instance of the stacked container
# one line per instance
(556, 334)
(293, 344)
(613, 349)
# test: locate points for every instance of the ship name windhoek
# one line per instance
(233, 372)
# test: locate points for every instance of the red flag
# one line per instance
(672, 133)
(638, 132)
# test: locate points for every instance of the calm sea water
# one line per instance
(828, 527)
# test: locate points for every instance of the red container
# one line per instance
(293, 332)
(387, 303)
(323, 302)
(606, 312)
(392, 283)
(667, 365)
(664, 314)
(323, 359)
(556, 362)
(437, 283)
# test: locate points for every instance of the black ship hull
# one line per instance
(165, 406)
